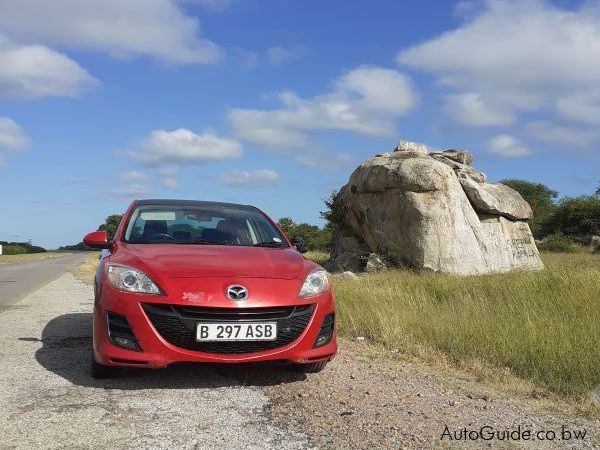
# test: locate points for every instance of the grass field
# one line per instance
(7, 259)
(543, 327)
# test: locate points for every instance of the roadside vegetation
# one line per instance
(86, 271)
(20, 248)
(540, 326)
(7, 259)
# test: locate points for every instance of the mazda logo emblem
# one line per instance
(237, 292)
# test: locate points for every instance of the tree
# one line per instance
(541, 199)
(315, 238)
(111, 223)
(597, 194)
(286, 224)
(575, 217)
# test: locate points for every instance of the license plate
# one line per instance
(263, 331)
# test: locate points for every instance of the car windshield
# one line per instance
(216, 225)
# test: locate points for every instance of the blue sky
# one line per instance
(274, 102)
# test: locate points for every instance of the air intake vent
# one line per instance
(120, 332)
(177, 325)
(326, 332)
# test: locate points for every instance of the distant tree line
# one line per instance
(315, 238)
(576, 218)
(20, 248)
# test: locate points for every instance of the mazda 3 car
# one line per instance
(194, 281)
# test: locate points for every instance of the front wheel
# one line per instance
(101, 371)
(314, 367)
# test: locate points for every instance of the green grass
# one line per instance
(543, 326)
(9, 259)
(317, 256)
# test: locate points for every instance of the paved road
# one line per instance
(19, 279)
(48, 399)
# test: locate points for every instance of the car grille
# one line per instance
(177, 325)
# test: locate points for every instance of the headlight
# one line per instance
(129, 279)
(315, 283)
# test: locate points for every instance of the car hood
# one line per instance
(200, 261)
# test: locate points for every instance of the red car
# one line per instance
(206, 282)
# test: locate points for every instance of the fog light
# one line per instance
(125, 342)
(326, 331)
(120, 332)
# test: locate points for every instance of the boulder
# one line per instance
(375, 263)
(595, 244)
(417, 210)
(497, 199)
(459, 156)
(460, 168)
(414, 147)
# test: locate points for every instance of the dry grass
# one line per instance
(317, 256)
(9, 259)
(540, 326)
(86, 271)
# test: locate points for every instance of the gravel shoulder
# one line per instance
(362, 400)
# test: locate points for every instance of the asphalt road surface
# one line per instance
(48, 399)
(19, 279)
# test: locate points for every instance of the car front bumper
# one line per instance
(159, 346)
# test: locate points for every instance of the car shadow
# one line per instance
(66, 345)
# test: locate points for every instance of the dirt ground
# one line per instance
(361, 402)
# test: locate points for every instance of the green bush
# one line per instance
(557, 243)
(35, 249)
(316, 238)
(540, 198)
(575, 216)
(13, 250)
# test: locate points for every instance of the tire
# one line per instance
(100, 371)
(314, 367)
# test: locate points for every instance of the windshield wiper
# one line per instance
(269, 244)
(199, 242)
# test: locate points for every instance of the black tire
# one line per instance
(101, 372)
(314, 367)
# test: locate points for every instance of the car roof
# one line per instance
(172, 202)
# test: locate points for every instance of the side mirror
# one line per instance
(299, 244)
(96, 239)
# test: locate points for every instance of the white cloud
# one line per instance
(133, 190)
(12, 135)
(278, 55)
(561, 134)
(183, 146)
(154, 28)
(134, 176)
(471, 109)
(260, 177)
(584, 108)
(170, 183)
(365, 100)
(508, 146)
(33, 71)
(324, 160)
(515, 56)
(215, 5)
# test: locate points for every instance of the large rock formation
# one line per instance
(430, 211)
